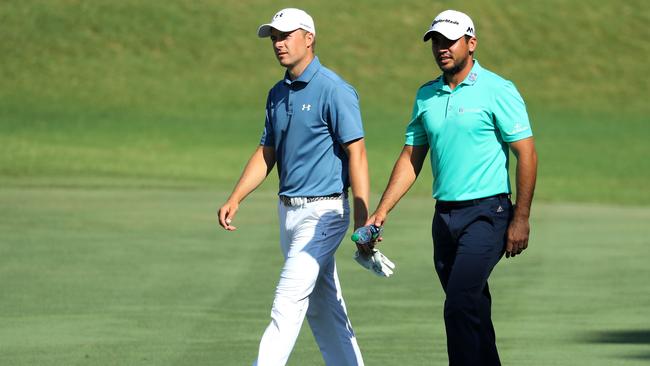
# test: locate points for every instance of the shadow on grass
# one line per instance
(640, 356)
(641, 337)
(620, 336)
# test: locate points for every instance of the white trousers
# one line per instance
(309, 285)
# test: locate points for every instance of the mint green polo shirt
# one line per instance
(468, 130)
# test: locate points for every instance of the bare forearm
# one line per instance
(359, 181)
(405, 172)
(400, 182)
(258, 167)
(519, 228)
(525, 179)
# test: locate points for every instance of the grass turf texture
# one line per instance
(127, 277)
(123, 125)
(144, 93)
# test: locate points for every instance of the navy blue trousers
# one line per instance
(469, 239)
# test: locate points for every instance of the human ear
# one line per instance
(472, 43)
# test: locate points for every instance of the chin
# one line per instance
(284, 63)
(453, 69)
(450, 69)
(446, 68)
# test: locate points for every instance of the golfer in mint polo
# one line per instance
(468, 119)
(313, 132)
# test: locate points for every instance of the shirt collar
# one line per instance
(470, 79)
(307, 74)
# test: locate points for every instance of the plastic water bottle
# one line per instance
(366, 234)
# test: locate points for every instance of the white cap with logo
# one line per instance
(287, 20)
(452, 24)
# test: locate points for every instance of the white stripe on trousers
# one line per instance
(309, 285)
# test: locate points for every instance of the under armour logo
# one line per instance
(307, 107)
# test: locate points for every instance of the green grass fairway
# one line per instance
(151, 93)
(133, 277)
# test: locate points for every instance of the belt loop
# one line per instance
(299, 201)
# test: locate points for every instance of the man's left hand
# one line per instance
(518, 232)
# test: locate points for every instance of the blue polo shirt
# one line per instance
(468, 130)
(307, 120)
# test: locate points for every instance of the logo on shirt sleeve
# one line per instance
(518, 127)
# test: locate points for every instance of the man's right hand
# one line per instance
(377, 219)
(227, 214)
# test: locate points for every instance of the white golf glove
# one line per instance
(377, 263)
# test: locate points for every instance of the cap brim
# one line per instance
(447, 34)
(265, 29)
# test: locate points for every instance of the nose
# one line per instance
(438, 48)
(277, 44)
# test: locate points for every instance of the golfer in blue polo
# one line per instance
(313, 133)
(468, 119)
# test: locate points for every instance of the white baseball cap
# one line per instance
(452, 24)
(287, 20)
